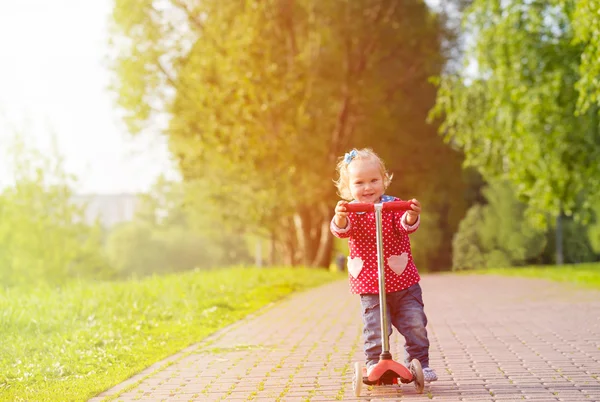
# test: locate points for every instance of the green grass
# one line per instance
(585, 275)
(72, 343)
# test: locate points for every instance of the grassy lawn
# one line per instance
(586, 275)
(73, 343)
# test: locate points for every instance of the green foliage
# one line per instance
(593, 230)
(516, 116)
(74, 342)
(263, 96)
(465, 245)
(496, 234)
(505, 228)
(43, 236)
(578, 244)
(466, 248)
(586, 22)
(167, 235)
(133, 249)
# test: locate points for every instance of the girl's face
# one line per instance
(366, 181)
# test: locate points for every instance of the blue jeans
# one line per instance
(405, 312)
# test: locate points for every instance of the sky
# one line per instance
(53, 81)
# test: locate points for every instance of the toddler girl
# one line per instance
(363, 178)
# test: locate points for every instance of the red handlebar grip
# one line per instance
(397, 206)
(360, 207)
(387, 206)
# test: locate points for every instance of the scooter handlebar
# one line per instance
(386, 206)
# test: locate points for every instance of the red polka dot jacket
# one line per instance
(400, 269)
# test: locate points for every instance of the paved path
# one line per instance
(492, 339)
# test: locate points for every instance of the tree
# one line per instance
(504, 228)
(467, 250)
(586, 22)
(166, 236)
(43, 236)
(133, 250)
(496, 234)
(261, 98)
(516, 116)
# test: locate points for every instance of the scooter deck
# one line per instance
(387, 372)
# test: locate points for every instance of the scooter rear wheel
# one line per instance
(417, 371)
(357, 380)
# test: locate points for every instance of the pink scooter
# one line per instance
(386, 371)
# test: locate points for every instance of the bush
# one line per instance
(164, 237)
(578, 244)
(42, 234)
(467, 251)
(496, 234)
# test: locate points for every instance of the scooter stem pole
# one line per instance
(381, 273)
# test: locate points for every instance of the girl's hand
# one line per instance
(341, 215)
(340, 209)
(413, 213)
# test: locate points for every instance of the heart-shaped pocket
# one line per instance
(355, 265)
(398, 263)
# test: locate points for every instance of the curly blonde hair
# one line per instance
(342, 182)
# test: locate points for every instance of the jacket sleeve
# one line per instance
(404, 227)
(400, 222)
(339, 232)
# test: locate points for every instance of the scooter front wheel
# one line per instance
(417, 371)
(357, 380)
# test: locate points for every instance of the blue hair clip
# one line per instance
(349, 156)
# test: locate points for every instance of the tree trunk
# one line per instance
(258, 258)
(273, 249)
(303, 227)
(312, 238)
(559, 238)
(289, 242)
(325, 246)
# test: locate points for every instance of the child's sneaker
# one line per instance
(429, 375)
(370, 369)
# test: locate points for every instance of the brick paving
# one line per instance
(492, 339)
